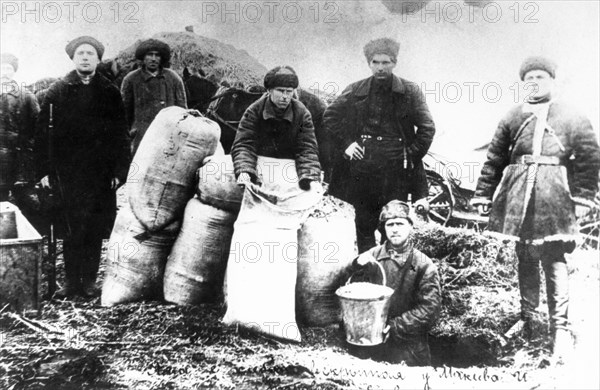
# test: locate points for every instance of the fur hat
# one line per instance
(382, 46)
(161, 47)
(281, 76)
(537, 63)
(75, 43)
(394, 209)
(11, 59)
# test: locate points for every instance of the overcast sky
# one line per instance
(466, 57)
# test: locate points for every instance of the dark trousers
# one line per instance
(552, 257)
(368, 193)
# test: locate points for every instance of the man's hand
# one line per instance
(115, 183)
(365, 259)
(244, 179)
(45, 182)
(355, 151)
(581, 210)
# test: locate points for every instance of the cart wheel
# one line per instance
(441, 201)
(589, 229)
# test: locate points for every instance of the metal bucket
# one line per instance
(365, 309)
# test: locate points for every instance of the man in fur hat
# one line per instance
(151, 88)
(83, 159)
(416, 302)
(18, 113)
(278, 126)
(542, 164)
(382, 129)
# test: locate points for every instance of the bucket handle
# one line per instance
(382, 274)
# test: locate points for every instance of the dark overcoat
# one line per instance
(18, 114)
(544, 210)
(260, 132)
(89, 146)
(346, 118)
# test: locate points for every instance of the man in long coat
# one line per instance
(83, 158)
(151, 88)
(541, 171)
(381, 129)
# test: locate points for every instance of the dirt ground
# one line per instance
(153, 345)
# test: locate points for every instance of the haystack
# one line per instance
(223, 61)
(480, 295)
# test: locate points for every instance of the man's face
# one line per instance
(281, 96)
(152, 61)
(538, 83)
(86, 59)
(397, 231)
(382, 66)
(8, 72)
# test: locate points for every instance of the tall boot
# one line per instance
(72, 285)
(89, 269)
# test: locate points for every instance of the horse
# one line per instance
(227, 108)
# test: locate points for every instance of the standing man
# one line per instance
(381, 129)
(83, 157)
(151, 88)
(278, 126)
(417, 299)
(542, 165)
(18, 114)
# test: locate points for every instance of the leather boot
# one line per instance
(70, 289)
(89, 288)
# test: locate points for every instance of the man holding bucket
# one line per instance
(416, 301)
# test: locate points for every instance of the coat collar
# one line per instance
(269, 111)
(365, 86)
(147, 75)
(381, 252)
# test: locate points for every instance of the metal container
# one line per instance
(20, 265)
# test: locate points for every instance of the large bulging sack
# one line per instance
(196, 266)
(218, 187)
(161, 176)
(326, 249)
(135, 260)
(262, 265)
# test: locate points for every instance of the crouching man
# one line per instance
(416, 301)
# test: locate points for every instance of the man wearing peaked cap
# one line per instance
(151, 88)
(381, 129)
(279, 126)
(84, 158)
(541, 174)
(416, 302)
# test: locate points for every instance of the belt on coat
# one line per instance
(529, 159)
(367, 137)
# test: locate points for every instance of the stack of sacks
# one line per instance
(160, 183)
(196, 267)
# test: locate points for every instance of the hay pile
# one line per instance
(223, 61)
(480, 295)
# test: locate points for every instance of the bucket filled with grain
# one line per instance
(365, 309)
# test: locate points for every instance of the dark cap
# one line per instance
(75, 43)
(537, 63)
(281, 76)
